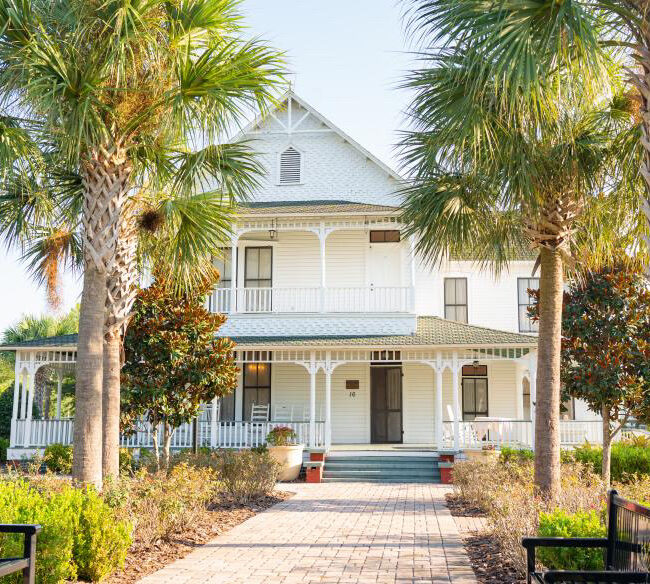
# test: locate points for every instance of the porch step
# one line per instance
(394, 469)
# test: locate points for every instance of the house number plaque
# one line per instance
(352, 384)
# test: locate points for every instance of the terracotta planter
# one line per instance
(289, 458)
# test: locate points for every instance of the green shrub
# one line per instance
(628, 459)
(246, 474)
(128, 463)
(4, 444)
(559, 523)
(58, 458)
(81, 535)
(516, 455)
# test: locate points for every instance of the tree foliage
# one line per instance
(606, 341)
(173, 360)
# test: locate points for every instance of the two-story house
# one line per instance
(342, 331)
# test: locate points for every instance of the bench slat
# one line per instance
(13, 565)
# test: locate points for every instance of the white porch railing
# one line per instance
(518, 433)
(292, 300)
(220, 434)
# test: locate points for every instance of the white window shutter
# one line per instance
(290, 166)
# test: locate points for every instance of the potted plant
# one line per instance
(284, 450)
(487, 452)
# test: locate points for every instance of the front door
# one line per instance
(386, 405)
(383, 273)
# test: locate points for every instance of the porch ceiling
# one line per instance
(432, 331)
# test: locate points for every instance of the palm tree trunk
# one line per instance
(122, 290)
(607, 447)
(547, 407)
(105, 174)
(87, 450)
(111, 406)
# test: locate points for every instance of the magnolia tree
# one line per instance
(173, 361)
(606, 347)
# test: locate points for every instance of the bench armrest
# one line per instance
(19, 528)
(589, 576)
(531, 543)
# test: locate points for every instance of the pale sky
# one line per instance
(346, 58)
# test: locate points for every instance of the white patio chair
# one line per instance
(260, 413)
(283, 414)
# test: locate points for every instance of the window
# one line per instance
(526, 392)
(223, 263)
(227, 407)
(385, 236)
(257, 386)
(258, 267)
(526, 324)
(290, 167)
(456, 299)
(475, 397)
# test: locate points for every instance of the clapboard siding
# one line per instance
(418, 394)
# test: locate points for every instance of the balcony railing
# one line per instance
(296, 300)
(518, 433)
(217, 434)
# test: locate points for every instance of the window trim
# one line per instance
(246, 279)
(519, 327)
(444, 296)
(462, 395)
(244, 387)
(301, 169)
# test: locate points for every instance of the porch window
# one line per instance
(258, 267)
(526, 391)
(524, 300)
(456, 299)
(223, 263)
(257, 386)
(475, 398)
(385, 236)
(227, 407)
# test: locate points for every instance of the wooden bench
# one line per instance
(27, 563)
(627, 548)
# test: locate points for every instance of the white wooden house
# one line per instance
(341, 331)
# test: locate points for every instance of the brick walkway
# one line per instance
(335, 533)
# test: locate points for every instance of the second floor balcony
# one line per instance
(369, 299)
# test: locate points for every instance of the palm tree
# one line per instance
(121, 87)
(31, 327)
(527, 45)
(487, 181)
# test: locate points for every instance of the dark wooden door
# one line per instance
(386, 405)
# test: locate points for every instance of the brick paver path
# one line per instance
(335, 533)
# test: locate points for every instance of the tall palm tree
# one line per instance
(120, 87)
(527, 44)
(487, 181)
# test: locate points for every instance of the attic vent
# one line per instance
(290, 167)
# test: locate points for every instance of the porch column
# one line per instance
(328, 399)
(455, 370)
(438, 411)
(30, 406)
(234, 260)
(322, 237)
(15, 403)
(312, 399)
(59, 389)
(519, 392)
(213, 423)
(532, 371)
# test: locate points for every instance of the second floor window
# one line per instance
(526, 324)
(456, 299)
(258, 269)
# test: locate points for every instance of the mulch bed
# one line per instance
(483, 550)
(144, 560)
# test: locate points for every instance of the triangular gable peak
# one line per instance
(307, 157)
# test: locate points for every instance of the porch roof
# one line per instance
(316, 207)
(431, 331)
(68, 341)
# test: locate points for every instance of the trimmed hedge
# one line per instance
(627, 460)
(559, 523)
(81, 538)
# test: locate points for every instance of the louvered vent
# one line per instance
(290, 167)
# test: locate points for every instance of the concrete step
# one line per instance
(387, 466)
(402, 469)
(380, 480)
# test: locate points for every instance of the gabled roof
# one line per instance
(431, 331)
(260, 119)
(324, 207)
